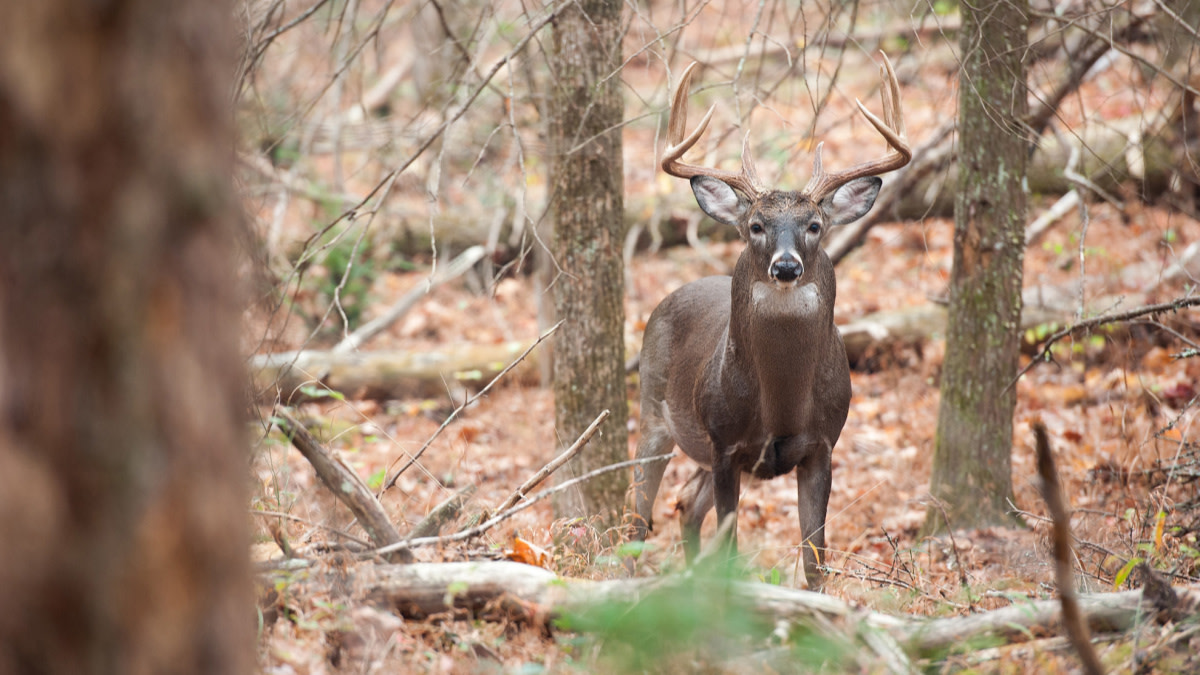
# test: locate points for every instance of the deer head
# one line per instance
(784, 228)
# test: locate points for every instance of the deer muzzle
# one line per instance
(786, 268)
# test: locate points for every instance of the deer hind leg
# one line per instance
(654, 441)
(813, 480)
(695, 501)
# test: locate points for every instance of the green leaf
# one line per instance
(376, 480)
(1123, 574)
(454, 590)
(632, 549)
(321, 391)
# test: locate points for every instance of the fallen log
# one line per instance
(309, 374)
(502, 590)
(1043, 306)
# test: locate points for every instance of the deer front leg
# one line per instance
(813, 480)
(726, 482)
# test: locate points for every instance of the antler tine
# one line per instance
(891, 127)
(745, 181)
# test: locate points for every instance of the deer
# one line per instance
(747, 374)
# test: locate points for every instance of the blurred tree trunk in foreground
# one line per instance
(122, 464)
(586, 112)
(972, 460)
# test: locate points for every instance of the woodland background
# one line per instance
(341, 116)
(391, 160)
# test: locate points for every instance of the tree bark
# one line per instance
(122, 457)
(589, 234)
(972, 463)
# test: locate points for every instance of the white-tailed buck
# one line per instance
(748, 374)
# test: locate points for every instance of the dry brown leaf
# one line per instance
(523, 551)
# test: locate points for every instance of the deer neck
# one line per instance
(779, 337)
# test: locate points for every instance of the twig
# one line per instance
(298, 519)
(454, 116)
(456, 268)
(280, 538)
(1095, 322)
(495, 520)
(1060, 208)
(1077, 629)
(1127, 52)
(554, 464)
(958, 561)
(1183, 265)
(441, 514)
(343, 483)
(260, 47)
(454, 415)
(1174, 333)
(1093, 47)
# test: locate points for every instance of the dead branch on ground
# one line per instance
(387, 374)
(477, 530)
(344, 484)
(442, 514)
(502, 590)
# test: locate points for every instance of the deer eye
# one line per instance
(756, 228)
(814, 227)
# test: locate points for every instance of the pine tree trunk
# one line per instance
(972, 464)
(122, 452)
(589, 231)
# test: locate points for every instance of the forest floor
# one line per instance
(1112, 403)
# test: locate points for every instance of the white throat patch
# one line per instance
(775, 299)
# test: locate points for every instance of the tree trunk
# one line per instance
(122, 457)
(588, 283)
(972, 463)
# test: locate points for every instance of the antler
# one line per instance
(746, 181)
(892, 128)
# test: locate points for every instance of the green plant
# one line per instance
(695, 622)
(349, 277)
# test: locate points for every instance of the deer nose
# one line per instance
(786, 269)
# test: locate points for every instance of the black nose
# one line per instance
(786, 270)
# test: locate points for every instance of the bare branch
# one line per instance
(1095, 322)
(454, 415)
(455, 269)
(495, 520)
(554, 464)
(343, 483)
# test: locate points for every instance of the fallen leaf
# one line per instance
(524, 552)
(1156, 359)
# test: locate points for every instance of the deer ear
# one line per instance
(718, 200)
(852, 201)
